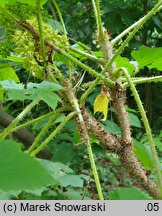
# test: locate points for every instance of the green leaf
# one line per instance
(45, 85)
(59, 152)
(112, 127)
(63, 174)
(5, 196)
(19, 171)
(129, 194)
(49, 98)
(143, 155)
(31, 2)
(57, 169)
(42, 90)
(150, 57)
(72, 180)
(73, 194)
(124, 62)
(8, 73)
(134, 120)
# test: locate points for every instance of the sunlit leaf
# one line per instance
(101, 104)
(8, 73)
(31, 2)
(124, 62)
(150, 57)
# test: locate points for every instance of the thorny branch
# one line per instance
(129, 161)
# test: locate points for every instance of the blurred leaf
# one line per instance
(134, 120)
(143, 155)
(5, 196)
(72, 180)
(57, 169)
(19, 171)
(124, 62)
(55, 25)
(8, 73)
(129, 194)
(112, 127)
(60, 154)
(73, 194)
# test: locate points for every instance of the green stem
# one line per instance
(88, 69)
(144, 80)
(87, 55)
(33, 121)
(147, 128)
(60, 16)
(90, 153)
(126, 31)
(53, 134)
(97, 13)
(8, 14)
(94, 170)
(85, 137)
(40, 28)
(89, 90)
(43, 131)
(131, 35)
(9, 129)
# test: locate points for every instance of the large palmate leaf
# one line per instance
(19, 171)
(44, 90)
(150, 57)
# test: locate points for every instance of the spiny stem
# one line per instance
(89, 90)
(88, 69)
(87, 55)
(126, 31)
(97, 13)
(43, 131)
(94, 170)
(60, 16)
(83, 132)
(9, 129)
(33, 121)
(53, 134)
(131, 35)
(144, 80)
(40, 28)
(147, 128)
